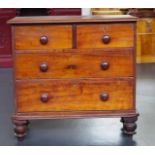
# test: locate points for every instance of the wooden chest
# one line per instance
(74, 67)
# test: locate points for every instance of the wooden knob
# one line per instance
(44, 67)
(43, 40)
(44, 97)
(105, 65)
(104, 96)
(106, 39)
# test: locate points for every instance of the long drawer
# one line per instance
(74, 94)
(75, 64)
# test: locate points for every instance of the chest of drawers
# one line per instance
(74, 67)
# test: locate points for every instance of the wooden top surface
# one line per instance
(70, 19)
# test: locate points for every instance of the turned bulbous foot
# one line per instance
(129, 125)
(20, 128)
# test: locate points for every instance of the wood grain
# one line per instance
(61, 76)
(74, 64)
(122, 35)
(73, 114)
(71, 19)
(28, 37)
(74, 94)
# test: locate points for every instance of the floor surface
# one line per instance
(69, 132)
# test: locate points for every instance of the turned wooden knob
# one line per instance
(106, 39)
(43, 40)
(44, 97)
(105, 65)
(44, 67)
(104, 96)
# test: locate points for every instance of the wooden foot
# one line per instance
(20, 128)
(129, 125)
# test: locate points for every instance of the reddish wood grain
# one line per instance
(73, 114)
(74, 63)
(72, 19)
(121, 35)
(28, 37)
(74, 94)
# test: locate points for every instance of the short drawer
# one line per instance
(75, 64)
(105, 35)
(74, 94)
(43, 37)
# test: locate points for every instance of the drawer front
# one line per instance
(105, 35)
(82, 94)
(77, 64)
(43, 37)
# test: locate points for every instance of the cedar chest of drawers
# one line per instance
(74, 67)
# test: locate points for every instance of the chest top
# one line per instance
(71, 19)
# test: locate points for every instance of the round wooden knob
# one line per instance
(105, 65)
(44, 97)
(106, 39)
(104, 96)
(44, 67)
(43, 40)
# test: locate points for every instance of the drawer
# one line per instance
(43, 37)
(75, 64)
(74, 94)
(105, 35)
